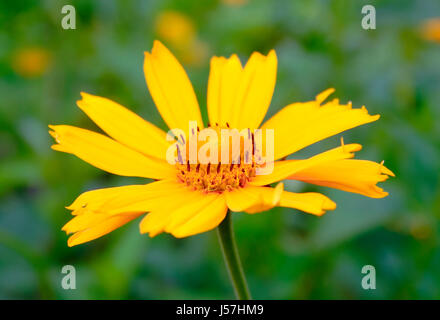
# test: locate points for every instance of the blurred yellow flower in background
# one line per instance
(175, 28)
(431, 29)
(196, 54)
(179, 31)
(31, 62)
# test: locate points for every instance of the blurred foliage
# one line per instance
(393, 70)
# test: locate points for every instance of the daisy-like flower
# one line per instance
(430, 29)
(191, 198)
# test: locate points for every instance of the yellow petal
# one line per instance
(100, 229)
(255, 90)
(358, 176)
(170, 88)
(107, 154)
(93, 199)
(98, 212)
(164, 210)
(83, 221)
(253, 199)
(321, 97)
(182, 214)
(123, 199)
(311, 202)
(284, 169)
(206, 219)
(270, 198)
(89, 220)
(125, 126)
(256, 199)
(224, 78)
(167, 194)
(301, 124)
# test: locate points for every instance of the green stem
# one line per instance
(232, 259)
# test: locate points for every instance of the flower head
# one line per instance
(176, 28)
(430, 29)
(31, 62)
(194, 190)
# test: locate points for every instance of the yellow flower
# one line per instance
(31, 62)
(191, 198)
(176, 28)
(179, 31)
(431, 29)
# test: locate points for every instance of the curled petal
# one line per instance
(285, 168)
(358, 176)
(253, 199)
(310, 202)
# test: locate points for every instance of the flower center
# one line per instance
(217, 177)
(219, 172)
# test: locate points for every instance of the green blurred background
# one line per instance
(393, 70)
